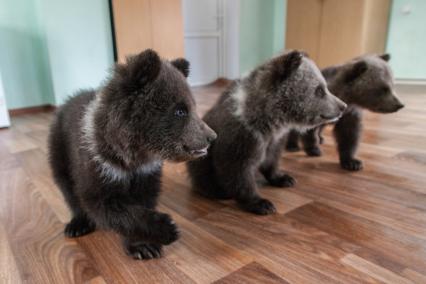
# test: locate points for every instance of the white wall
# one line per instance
(4, 115)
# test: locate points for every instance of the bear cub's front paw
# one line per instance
(351, 164)
(313, 152)
(144, 251)
(259, 206)
(79, 226)
(165, 229)
(282, 179)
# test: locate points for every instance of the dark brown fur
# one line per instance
(250, 118)
(365, 82)
(106, 150)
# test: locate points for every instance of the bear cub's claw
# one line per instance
(313, 152)
(145, 251)
(79, 226)
(260, 206)
(351, 165)
(282, 180)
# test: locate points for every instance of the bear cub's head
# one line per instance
(299, 91)
(367, 81)
(147, 111)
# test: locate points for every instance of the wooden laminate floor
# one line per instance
(332, 227)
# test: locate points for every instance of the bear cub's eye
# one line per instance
(384, 90)
(320, 92)
(181, 112)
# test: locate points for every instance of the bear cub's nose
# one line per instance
(211, 136)
(209, 133)
(342, 106)
(399, 106)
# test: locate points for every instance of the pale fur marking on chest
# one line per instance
(114, 173)
(239, 97)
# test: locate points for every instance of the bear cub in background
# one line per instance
(365, 82)
(106, 150)
(250, 118)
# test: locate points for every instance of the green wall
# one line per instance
(51, 48)
(24, 63)
(407, 39)
(79, 44)
(280, 11)
(262, 25)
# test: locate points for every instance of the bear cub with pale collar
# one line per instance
(106, 150)
(250, 118)
(365, 82)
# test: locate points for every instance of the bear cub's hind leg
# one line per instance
(257, 205)
(347, 132)
(311, 141)
(270, 167)
(245, 192)
(292, 143)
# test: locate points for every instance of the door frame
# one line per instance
(229, 53)
(231, 48)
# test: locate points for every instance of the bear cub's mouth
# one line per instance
(389, 110)
(198, 152)
(330, 118)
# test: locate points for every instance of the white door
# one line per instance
(4, 115)
(203, 32)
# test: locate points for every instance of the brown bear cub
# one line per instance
(365, 82)
(250, 118)
(106, 150)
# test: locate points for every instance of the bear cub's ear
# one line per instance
(385, 57)
(356, 71)
(182, 65)
(286, 64)
(143, 68)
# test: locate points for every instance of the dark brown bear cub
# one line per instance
(106, 150)
(365, 82)
(250, 118)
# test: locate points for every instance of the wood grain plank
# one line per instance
(414, 276)
(179, 198)
(116, 267)
(298, 253)
(9, 273)
(96, 280)
(369, 235)
(35, 236)
(284, 200)
(8, 160)
(251, 273)
(398, 207)
(374, 270)
(35, 164)
(16, 141)
(214, 257)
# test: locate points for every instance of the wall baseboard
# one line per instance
(221, 81)
(410, 82)
(407, 86)
(31, 110)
